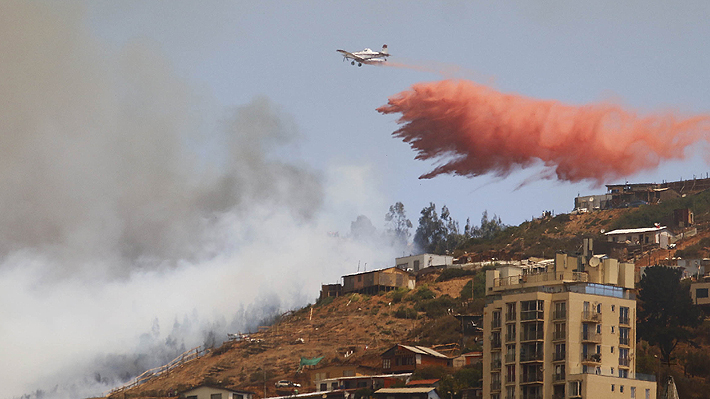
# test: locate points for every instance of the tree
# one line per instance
(489, 227)
(665, 310)
(430, 230)
(398, 224)
(362, 229)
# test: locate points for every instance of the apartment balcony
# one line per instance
(510, 358)
(532, 315)
(495, 364)
(624, 321)
(558, 377)
(559, 335)
(531, 357)
(559, 314)
(624, 341)
(624, 362)
(532, 335)
(591, 337)
(591, 317)
(559, 356)
(531, 378)
(495, 386)
(592, 359)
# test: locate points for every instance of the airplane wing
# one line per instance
(352, 56)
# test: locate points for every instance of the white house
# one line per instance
(210, 392)
(642, 236)
(419, 262)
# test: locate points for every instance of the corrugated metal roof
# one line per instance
(634, 231)
(422, 350)
(405, 390)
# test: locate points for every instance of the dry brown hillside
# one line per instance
(362, 325)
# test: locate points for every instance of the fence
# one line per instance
(192, 354)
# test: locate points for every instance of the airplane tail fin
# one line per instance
(384, 49)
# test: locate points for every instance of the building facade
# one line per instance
(419, 262)
(377, 281)
(566, 332)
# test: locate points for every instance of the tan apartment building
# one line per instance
(566, 332)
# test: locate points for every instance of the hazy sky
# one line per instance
(647, 56)
(175, 168)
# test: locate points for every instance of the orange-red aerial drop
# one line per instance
(471, 130)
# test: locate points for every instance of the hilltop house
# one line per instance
(405, 358)
(211, 392)
(407, 393)
(353, 383)
(333, 372)
(418, 262)
(376, 281)
(642, 236)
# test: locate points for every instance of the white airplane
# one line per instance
(366, 56)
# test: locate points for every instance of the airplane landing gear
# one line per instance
(352, 62)
(359, 64)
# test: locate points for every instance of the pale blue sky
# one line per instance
(646, 55)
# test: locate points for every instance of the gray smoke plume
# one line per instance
(135, 220)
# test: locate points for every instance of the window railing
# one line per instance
(559, 356)
(591, 336)
(532, 315)
(495, 386)
(624, 361)
(531, 377)
(531, 356)
(557, 335)
(624, 341)
(591, 316)
(510, 357)
(559, 314)
(592, 358)
(510, 337)
(495, 323)
(531, 335)
(624, 320)
(495, 364)
(558, 376)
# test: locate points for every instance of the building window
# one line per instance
(612, 371)
(510, 311)
(612, 308)
(216, 396)
(575, 388)
(612, 387)
(701, 293)
(633, 392)
(323, 387)
(648, 393)
(612, 329)
(386, 363)
(612, 349)
(191, 397)
(599, 328)
(621, 389)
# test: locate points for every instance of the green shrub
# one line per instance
(452, 273)
(405, 313)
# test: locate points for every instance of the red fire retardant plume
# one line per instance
(471, 130)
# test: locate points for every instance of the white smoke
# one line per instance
(129, 229)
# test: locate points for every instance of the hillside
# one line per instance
(359, 324)
(356, 329)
